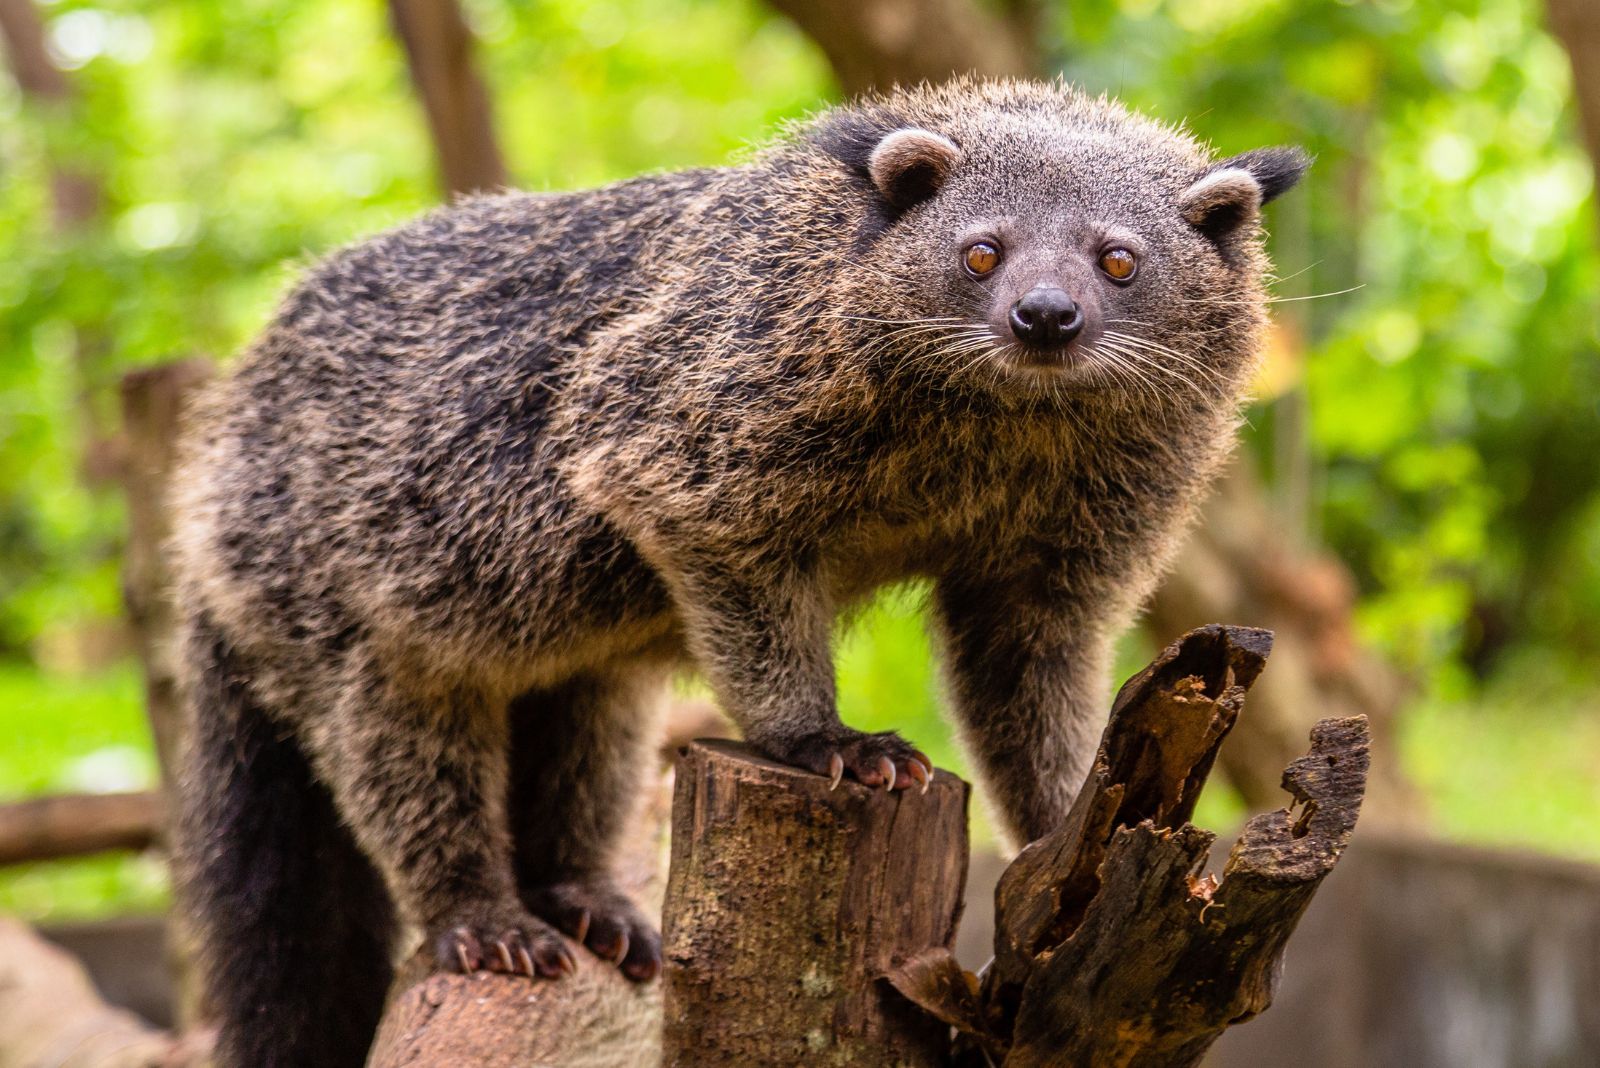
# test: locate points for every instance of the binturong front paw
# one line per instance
(513, 945)
(601, 917)
(885, 759)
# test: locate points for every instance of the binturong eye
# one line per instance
(981, 258)
(1119, 264)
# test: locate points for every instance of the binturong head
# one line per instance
(1023, 237)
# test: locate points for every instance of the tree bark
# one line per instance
(787, 901)
(76, 196)
(881, 43)
(73, 825)
(1577, 24)
(438, 46)
(76, 201)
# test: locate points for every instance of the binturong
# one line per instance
(488, 480)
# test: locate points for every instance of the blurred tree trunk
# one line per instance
(880, 43)
(76, 202)
(438, 45)
(1244, 564)
(1577, 24)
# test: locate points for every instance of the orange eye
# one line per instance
(1120, 264)
(981, 258)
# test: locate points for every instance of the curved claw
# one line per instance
(564, 964)
(887, 770)
(835, 772)
(505, 957)
(461, 955)
(622, 949)
(920, 773)
(526, 960)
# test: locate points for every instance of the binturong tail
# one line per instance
(291, 922)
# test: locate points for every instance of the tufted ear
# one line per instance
(908, 166)
(1232, 191)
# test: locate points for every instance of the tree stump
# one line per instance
(787, 901)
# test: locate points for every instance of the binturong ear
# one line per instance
(1232, 191)
(911, 165)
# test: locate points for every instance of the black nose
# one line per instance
(1046, 316)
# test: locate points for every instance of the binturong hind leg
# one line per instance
(580, 754)
(420, 776)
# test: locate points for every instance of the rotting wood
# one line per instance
(1111, 946)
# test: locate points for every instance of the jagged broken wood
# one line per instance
(1111, 946)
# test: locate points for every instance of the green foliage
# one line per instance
(1451, 393)
(233, 142)
(76, 734)
(1452, 396)
(1517, 764)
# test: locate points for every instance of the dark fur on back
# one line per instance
(487, 479)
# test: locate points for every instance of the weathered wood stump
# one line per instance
(787, 901)
(1111, 946)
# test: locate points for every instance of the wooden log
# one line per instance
(593, 1018)
(72, 825)
(51, 1015)
(786, 902)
